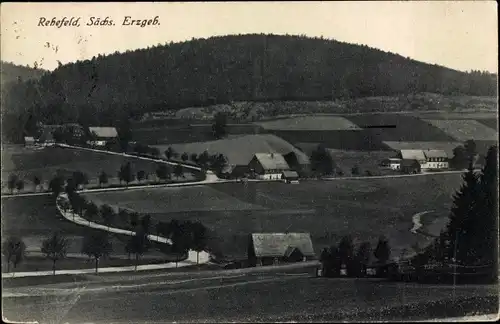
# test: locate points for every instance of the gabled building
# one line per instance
(275, 248)
(29, 141)
(100, 136)
(290, 176)
(412, 155)
(410, 166)
(268, 166)
(391, 163)
(435, 160)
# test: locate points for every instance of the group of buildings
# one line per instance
(416, 161)
(96, 136)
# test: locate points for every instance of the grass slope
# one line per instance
(326, 209)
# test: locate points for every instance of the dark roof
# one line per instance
(277, 244)
(289, 251)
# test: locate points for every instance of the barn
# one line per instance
(268, 166)
(101, 136)
(275, 248)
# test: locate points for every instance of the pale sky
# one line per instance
(459, 34)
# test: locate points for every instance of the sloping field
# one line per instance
(160, 135)
(445, 146)
(456, 115)
(326, 209)
(239, 150)
(365, 161)
(187, 199)
(399, 127)
(317, 123)
(361, 140)
(189, 133)
(465, 129)
(489, 122)
(46, 162)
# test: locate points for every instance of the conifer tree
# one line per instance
(459, 231)
(486, 225)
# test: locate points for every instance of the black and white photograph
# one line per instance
(253, 162)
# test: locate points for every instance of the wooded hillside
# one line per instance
(11, 72)
(218, 70)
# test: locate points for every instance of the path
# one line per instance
(397, 175)
(145, 267)
(416, 221)
(75, 218)
(187, 166)
(211, 178)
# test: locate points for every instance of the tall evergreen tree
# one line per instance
(486, 225)
(459, 231)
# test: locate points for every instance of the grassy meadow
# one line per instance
(328, 210)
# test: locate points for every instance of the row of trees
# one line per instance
(55, 248)
(355, 263)
(77, 179)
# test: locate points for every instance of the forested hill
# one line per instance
(229, 68)
(18, 73)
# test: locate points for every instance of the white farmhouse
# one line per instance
(435, 160)
(268, 166)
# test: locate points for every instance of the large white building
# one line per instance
(435, 160)
(428, 159)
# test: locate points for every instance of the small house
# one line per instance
(101, 136)
(391, 163)
(268, 166)
(290, 176)
(435, 160)
(275, 248)
(410, 166)
(29, 141)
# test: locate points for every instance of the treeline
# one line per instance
(17, 73)
(108, 89)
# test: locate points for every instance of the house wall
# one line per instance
(431, 165)
(395, 166)
(269, 176)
